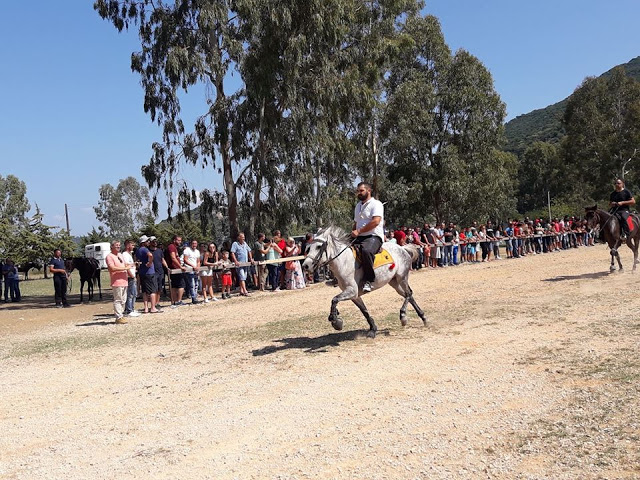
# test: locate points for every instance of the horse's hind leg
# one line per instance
(363, 308)
(403, 288)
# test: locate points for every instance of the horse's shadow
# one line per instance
(314, 344)
(593, 276)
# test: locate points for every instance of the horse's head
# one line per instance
(69, 265)
(323, 247)
(316, 252)
(592, 217)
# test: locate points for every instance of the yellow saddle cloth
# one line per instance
(382, 258)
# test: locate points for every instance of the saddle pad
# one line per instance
(382, 258)
(630, 222)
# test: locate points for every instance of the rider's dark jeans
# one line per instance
(370, 246)
(622, 218)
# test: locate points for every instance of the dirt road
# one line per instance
(528, 369)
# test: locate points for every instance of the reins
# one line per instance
(323, 249)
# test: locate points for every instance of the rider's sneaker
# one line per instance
(366, 287)
(623, 236)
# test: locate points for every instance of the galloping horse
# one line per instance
(610, 226)
(331, 247)
(89, 270)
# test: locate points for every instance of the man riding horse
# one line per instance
(368, 231)
(619, 202)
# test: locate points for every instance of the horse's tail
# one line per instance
(412, 250)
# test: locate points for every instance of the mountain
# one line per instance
(545, 124)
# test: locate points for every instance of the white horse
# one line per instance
(331, 247)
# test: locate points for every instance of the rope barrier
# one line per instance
(230, 265)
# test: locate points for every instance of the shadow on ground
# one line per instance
(314, 344)
(31, 302)
(99, 319)
(584, 276)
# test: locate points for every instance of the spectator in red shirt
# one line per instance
(400, 236)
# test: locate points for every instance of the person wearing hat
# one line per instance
(147, 276)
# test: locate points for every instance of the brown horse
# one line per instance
(610, 227)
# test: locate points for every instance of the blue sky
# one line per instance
(72, 116)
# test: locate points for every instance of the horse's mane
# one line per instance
(335, 236)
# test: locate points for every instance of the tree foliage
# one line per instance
(125, 209)
(305, 98)
(539, 176)
(602, 121)
(441, 129)
(13, 199)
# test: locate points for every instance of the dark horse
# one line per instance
(610, 227)
(89, 270)
(27, 266)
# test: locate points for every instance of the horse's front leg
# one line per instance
(363, 308)
(347, 294)
(612, 268)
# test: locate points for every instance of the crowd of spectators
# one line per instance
(207, 273)
(446, 244)
(204, 273)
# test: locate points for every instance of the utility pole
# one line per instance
(66, 214)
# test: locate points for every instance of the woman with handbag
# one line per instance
(294, 279)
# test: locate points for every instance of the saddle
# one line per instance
(382, 257)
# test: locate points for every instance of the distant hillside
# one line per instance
(545, 124)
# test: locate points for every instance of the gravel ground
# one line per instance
(528, 369)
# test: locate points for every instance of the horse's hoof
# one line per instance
(612, 269)
(337, 324)
(371, 334)
(403, 320)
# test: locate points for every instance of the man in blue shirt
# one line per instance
(240, 252)
(147, 276)
(60, 277)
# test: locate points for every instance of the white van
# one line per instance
(99, 251)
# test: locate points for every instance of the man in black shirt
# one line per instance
(620, 201)
(60, 277)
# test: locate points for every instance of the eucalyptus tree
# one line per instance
(183, 44)
(442, 128)
(13, 199)
(538, 175)
(288, 127)
(123, 209)
(602, 121)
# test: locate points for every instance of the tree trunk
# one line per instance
(231, 191)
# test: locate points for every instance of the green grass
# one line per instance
(43, 287)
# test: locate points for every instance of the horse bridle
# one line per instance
(595, 213)
(323, 249)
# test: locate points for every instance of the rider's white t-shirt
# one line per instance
(364, 214)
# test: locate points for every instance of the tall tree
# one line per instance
(441, 130)
(284, 133)
(602, 121)
(538, 176)
(125, 209)
(13, 199)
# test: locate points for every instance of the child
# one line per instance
(226, 275)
